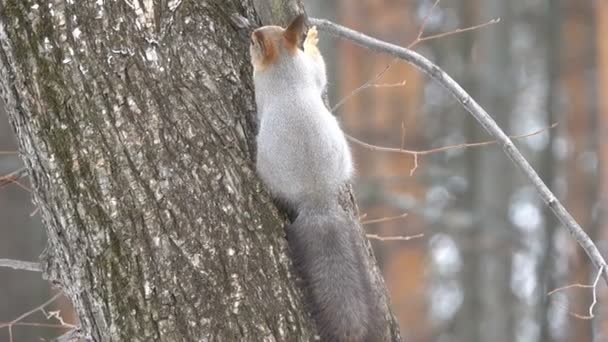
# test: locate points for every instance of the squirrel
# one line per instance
(303, 159)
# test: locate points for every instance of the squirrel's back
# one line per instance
(302, 151)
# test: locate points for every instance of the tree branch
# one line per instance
(593, 286)
(393, 238)
(21, 265)
(40, 308)
(13, 177)
(385, 219)
(415, 154)
(456, 31)
(440, 76)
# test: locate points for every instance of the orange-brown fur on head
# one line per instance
(269, 42)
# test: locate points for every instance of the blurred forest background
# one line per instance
(491, 251)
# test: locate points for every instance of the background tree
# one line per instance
(492, 255)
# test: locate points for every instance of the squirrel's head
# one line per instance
(268, 43)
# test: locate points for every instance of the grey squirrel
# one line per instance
(303, 158)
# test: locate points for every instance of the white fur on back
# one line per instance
(302, 152)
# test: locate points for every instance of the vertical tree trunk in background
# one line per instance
(135, 119)
(578, 88)
(546, 267)
(601, 20)
(492, 187)
(466, 323)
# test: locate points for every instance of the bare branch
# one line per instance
(402, 135)
(415, 154)
(594, 292)
(423, 24)
(440, 76)
(369, 84)
(17, 321)
(13, 177)
(419, 39)
(21, 265)
(32, 311)
(385, 219)
(460, 30)
(444, 148)
(388, 85)
(393, 238)
(389, 238)
(44, 325)
(415, 165)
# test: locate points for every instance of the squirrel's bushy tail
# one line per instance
(327, 251)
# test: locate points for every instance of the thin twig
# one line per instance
(21, 265)
(594, 293)
(402, 135)
(415, 167)
(57, 315)
(369, 84)
(385, 219)
(18, 183)
(30, 312)
(415, 154)
(440, 76)
(13, 177)
(45, 325)
(443, 148)
(388, 85)
(460, 30)
(423, 25)
(52, 314)
(563, 288)
(419, 39)
(393, 238)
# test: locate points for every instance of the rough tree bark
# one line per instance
(135, 120)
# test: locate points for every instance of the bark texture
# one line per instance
(136, 121)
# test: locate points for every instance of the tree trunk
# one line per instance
(547, 270)
(577, 38)
(492, 235)
(136, 121)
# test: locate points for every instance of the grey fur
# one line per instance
(302, 152)
(304, 159)
(326, 251)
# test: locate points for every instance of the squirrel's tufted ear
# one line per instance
(295, 30)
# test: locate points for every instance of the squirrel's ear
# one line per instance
(295, 30)
(257, 39)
